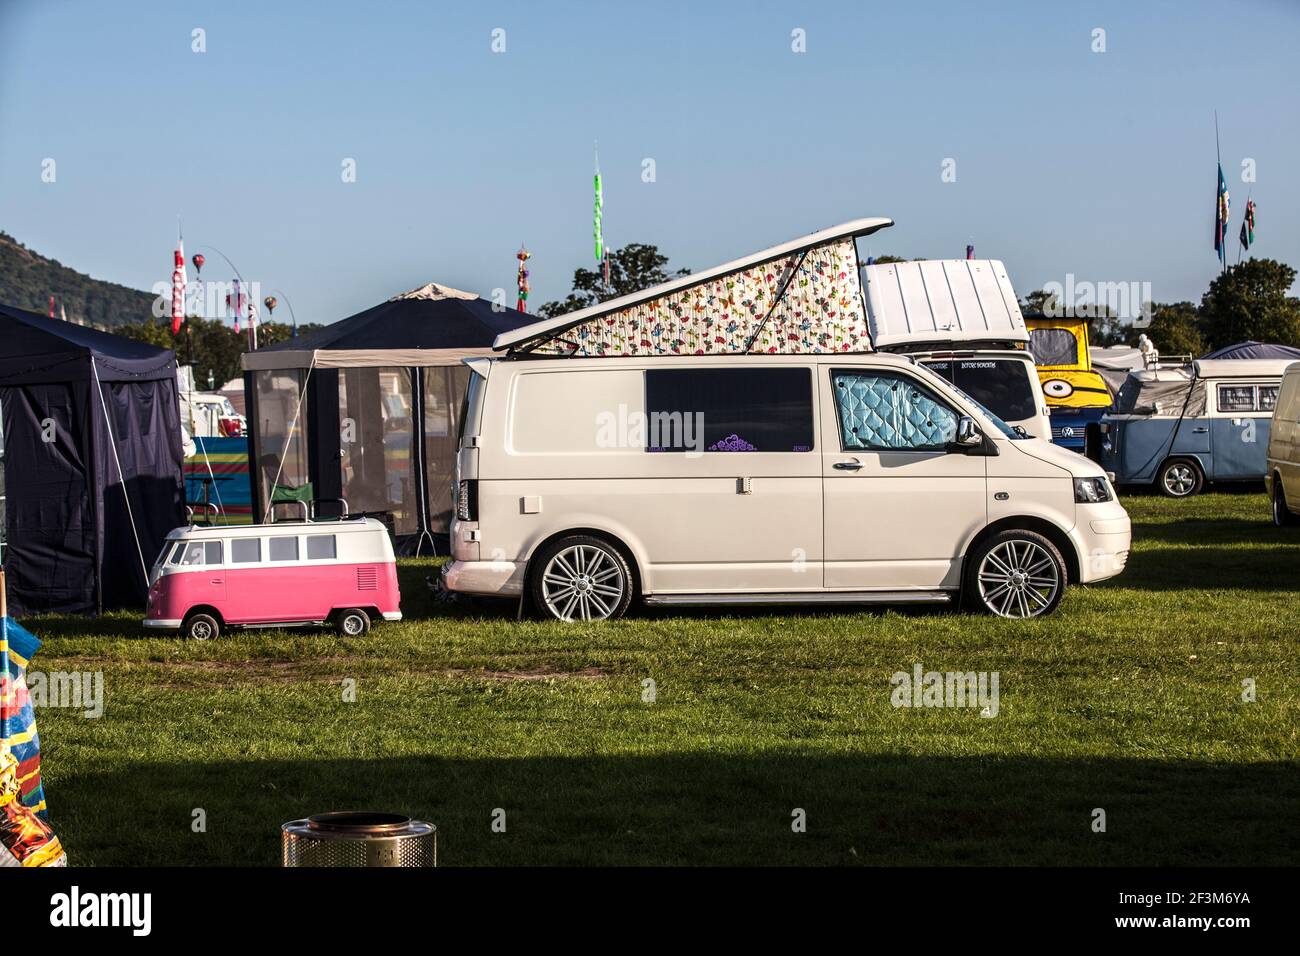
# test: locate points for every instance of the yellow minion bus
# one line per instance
(1076, 395)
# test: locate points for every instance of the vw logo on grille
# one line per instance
(1067, 432)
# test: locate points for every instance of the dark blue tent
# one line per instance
(1254, 350)
(92, 463)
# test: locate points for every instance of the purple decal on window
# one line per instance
(732, 443)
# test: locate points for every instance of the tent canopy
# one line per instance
(40, 349)
(92, 443)
(429, 326)
(1254, 350)
(799, 297)
(361, 415)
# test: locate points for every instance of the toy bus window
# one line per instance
(199, 553)
(320, 547)
(177, 549)
(246, 550)
(284, 549)
(1268, 397)
(1236, 398)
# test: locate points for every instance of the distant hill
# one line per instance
(28, 279)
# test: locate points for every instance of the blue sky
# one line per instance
(1067, 161)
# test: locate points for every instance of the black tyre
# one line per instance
(1283, 517)
(1017, 574)
(581, 578)
(352, 622)
(201, 627)
(1180, 478)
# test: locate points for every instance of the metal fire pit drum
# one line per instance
(359, 838)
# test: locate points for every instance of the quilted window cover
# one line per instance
(889, 412)
(821, 311)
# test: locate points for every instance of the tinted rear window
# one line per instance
(1054, 347)
(729, 409)
(1000, 385)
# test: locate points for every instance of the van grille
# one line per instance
(367, 579)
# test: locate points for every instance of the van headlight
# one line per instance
(1090, 491)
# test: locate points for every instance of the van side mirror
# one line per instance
(968, 434)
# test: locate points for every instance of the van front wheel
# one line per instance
(201, 627)
(1017, 574)
(581, 578)
(1283, 517)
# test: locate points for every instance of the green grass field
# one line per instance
(1129, 699)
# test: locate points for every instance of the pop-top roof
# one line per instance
(801, 296)
(941, 301)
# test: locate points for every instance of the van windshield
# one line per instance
(1001, 385)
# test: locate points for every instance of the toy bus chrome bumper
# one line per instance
(162, 624)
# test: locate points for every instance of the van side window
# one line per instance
(890, 413)
(284, 549)
(320, 547)
(1236, 398)
(246, 550)
(1268, 397)
(728, 409)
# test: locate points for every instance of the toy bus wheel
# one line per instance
(201, 627)
(353, 622)
(1180, 478)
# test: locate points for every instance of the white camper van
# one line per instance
(961, 318)
(694, 451)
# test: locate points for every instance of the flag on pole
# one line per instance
(236, 302)
(1221, 206)
(1248, 225)
(51, 305)
(63, 309)
(178, 287)
(598, 227)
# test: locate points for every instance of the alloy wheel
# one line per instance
(582, 582)
(1180, 479)
(1018, 579)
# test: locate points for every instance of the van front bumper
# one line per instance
(1103, 538)
(488, 578)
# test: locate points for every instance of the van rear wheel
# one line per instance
(581, 578)
(353, 622)
(1017, 574)
(201, 627)
(1180, 478)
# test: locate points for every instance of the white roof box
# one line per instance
(941, 301)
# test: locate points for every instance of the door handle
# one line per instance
(1199, 431)
(853, 465)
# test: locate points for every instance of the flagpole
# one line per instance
(1218, 157)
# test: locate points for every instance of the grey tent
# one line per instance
(1255, 350)
(365, 410)
(92, 463)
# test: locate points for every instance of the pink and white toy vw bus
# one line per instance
(324, 572)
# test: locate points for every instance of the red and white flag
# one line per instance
(178, 288)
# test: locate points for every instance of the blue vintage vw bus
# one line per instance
(1178, 428)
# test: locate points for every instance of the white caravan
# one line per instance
(729, 442)
(961, 318)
